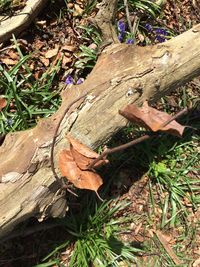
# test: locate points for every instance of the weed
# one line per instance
(28, 99)
(173, 175)
(89, 6)
(95, 233)
(87, 56)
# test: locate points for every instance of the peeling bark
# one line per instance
(123, 74)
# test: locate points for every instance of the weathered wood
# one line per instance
(21, 20)
(122, 75)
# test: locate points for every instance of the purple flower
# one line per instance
(69, 79)
(121, 37)
(121, 26)
(80, 80)
(148, 27)
(129, 41)
(161, 31)
(160, 39)
(9, 122)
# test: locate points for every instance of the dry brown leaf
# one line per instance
(38, 74)
(82, 149)
(167, 247)
(83, 162)
(78, 11)
(81, 179)
(83, 155)
(9, 61)
(89, 180)
(45, 61)
(13, 55)
(68, 166)
(65, 61)
(3, 103)
(32, 66)
(70, 48)
(51, 53)
(39, 44)
(152, 119)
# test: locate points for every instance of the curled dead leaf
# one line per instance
(51, 53)
(83, 162)
(9, 61)
(13, 55)
(83, 155)
(82, 149)
(167, 247)
(68, 166)
(80, 178)
(65, 61)
(152, 119)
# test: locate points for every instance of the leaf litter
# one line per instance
(74, 163)
(152, 119)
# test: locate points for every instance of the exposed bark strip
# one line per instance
(122, 75)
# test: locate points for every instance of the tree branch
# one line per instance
(123, 74)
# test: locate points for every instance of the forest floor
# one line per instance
(155, 185)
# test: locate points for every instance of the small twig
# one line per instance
(6, 48)
(176, 116)
(65, 186)
(177, 18)
(128, 16)
(135, 25)
(136, 141)
(101, 199)
(109, 151)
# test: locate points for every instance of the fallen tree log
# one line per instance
(123, 74)
(20, 21)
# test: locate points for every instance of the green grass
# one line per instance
(94, 231)
(172, 166)
(5, 4)
(86, 57)
(173, 174)
(28, 98)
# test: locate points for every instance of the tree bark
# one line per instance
(123, 74)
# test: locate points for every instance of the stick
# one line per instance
(136, 141)
(128, 16)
